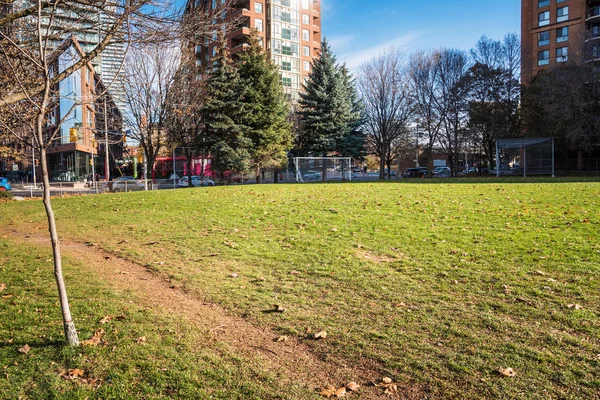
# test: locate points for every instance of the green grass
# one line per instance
(175, 361)
(457, 296)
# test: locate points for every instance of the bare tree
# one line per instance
(383, 84)
(184, 128)
(149, 77)
(451, 70)
(426, 93)
(30, 34)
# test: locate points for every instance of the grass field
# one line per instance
(436, 285)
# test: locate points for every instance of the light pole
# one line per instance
(417, 146)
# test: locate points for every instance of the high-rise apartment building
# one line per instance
(290, 32)
(554, 31)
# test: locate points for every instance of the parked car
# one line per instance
(414, 173)
(196, 181)
(441, 172)
(312, 176)
(357, 169)
(125, 184)
(470, 171)
(4, 185)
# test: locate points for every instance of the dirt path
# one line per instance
(291, 360)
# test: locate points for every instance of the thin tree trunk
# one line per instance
(69, 327)
(189, 170)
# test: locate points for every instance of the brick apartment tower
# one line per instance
(554, 31)
(290, 31)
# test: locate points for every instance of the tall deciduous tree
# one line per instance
(265, 108)
(223, 115)
(149, 78)
(383, 83)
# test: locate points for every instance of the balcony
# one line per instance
(592, 14)
(240, 33)
(592, 34)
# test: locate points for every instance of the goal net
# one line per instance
(524, 156)
(322, 169)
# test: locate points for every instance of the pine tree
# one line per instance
(321, 106)
(265, 109)
(330, 110)
(352, 144)
(223, 115)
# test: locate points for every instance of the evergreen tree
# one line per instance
(265, 109)
(223, 115)
(352, 144)
(322, 106)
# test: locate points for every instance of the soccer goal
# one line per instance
(524, 156)
(315, 169)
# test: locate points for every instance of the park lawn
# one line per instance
(438, 285)
(173, 360)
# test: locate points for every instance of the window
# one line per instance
(286, 65)
(543, 3)
(544, 38)
(544, 57)
(306, 51)
(306, 66)
(562, 54)
(562, 14)
(258, 24)
(562, 34)
(258, 8)
(544, 18)
(286, 33)
(306, 35)
(305, 19)
(305, 5)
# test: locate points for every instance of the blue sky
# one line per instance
(359, 30)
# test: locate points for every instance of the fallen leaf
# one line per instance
(294, 272)
(93, 341)
(508, 372)
(391, 389)
(401, 304)
(575, 306)
(234, 275)
(2, 287)
(352, 386)
(539, 273)
(73, 373)
(331, 391)
(7, 296)
(25, 349)
(386, 380)
(106, 319)
(281, 339)
(278, 308)
(124, 273)
(141, 339)
(333, 229)
(321, 335)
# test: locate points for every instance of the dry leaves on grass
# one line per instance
(352, 386)
(2, 287)
(388, 384)
(106, 319)
(141, 339)
(507, 372)
(321, 335)
(281, 339)
(234, 275)
(96, 339)
(25, 349)
(332, 391)
(7, 296)
(574, 306)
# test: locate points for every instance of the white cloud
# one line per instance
(355, 58)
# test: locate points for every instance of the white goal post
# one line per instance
(315, 169)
